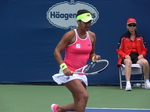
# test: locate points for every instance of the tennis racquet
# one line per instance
(92, 68)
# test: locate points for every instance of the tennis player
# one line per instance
(79, 46)
(131, 49)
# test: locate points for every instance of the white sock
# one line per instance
(146, 80)
(127, 82)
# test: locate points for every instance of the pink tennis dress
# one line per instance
(76, 56)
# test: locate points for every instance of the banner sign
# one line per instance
(63, 14)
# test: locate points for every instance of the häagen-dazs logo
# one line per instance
(63, 14)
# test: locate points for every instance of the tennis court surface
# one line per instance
(38, 98)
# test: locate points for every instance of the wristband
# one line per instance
(93, 58)
(63, 66)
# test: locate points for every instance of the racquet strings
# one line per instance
(96, 66)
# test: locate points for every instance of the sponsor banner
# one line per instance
(63, 14)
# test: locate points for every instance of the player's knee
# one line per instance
(85, 96)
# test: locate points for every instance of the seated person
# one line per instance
(132, 50)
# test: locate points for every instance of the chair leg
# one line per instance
(142, 79)
(121, 85)
(120, 78)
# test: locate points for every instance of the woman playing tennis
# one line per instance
(79, 46)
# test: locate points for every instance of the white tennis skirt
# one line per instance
(65, 79)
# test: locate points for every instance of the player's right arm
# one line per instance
(65, 40)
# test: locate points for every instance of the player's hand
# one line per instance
(67, 72)
(127, 57)
(97, 57)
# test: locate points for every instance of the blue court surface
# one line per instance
(114, 110)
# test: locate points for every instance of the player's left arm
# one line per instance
(93, 55)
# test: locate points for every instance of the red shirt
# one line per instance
(126, 46)
(133, 45)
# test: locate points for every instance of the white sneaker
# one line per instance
(128, 87)
(147, 85)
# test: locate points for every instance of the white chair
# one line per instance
(136, 69)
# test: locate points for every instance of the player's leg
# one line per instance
(80, 95)
(69, 107)
(80, 99)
